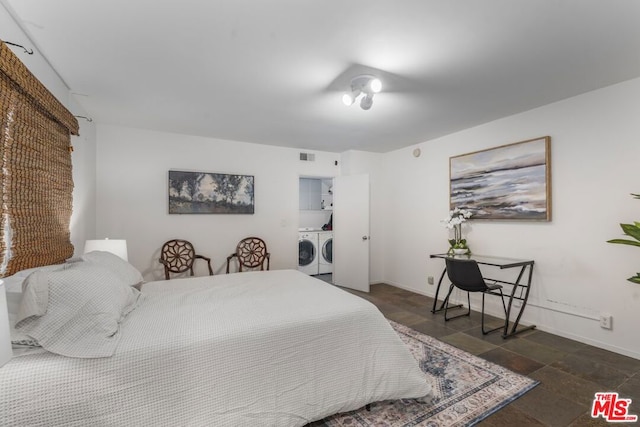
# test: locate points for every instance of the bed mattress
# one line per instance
(274, 348)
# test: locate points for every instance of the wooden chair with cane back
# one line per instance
(251, 253)
(178, 256)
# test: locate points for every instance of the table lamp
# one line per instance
(117, 247)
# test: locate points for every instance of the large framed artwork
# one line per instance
(210, 193)
(512, 181)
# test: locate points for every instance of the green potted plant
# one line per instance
(631, 230)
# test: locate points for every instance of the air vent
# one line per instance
(307, 157)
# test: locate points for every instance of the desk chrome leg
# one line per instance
(446, 300)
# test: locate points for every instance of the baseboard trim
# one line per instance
(544, 328)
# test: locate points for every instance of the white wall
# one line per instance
(595, 147)
(132, 175)
(83, 157)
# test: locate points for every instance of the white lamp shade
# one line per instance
(5, 336)
(117, 247)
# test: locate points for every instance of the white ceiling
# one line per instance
(273, 72)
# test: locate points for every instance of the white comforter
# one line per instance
(274, 348)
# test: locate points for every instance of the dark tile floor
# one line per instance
(569, 372)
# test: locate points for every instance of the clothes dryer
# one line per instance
(308, 253)
(325, 247)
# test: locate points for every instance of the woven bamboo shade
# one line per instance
(37, 181)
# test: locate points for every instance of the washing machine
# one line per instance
(325, 247)
(308, 253)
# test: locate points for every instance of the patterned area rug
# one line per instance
(467, 389)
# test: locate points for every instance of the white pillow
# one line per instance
(76, 311)
(14, 283)
(13, 287)
(127, 272)
(13, 305)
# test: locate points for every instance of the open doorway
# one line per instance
(315, 227)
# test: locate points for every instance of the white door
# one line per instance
(351, 232)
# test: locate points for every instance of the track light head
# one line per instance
(375, 85)
(348, 99)
(366, 102)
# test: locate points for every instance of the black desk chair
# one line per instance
(466, 275)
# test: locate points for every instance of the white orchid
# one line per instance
(456, 217)
(454, 222)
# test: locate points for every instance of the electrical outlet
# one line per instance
(606, 321)
(430, 280)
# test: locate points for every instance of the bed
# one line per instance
(272, 348)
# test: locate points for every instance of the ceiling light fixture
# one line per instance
(365, 85)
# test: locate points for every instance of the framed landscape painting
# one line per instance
(210, 193)
(508, 182)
